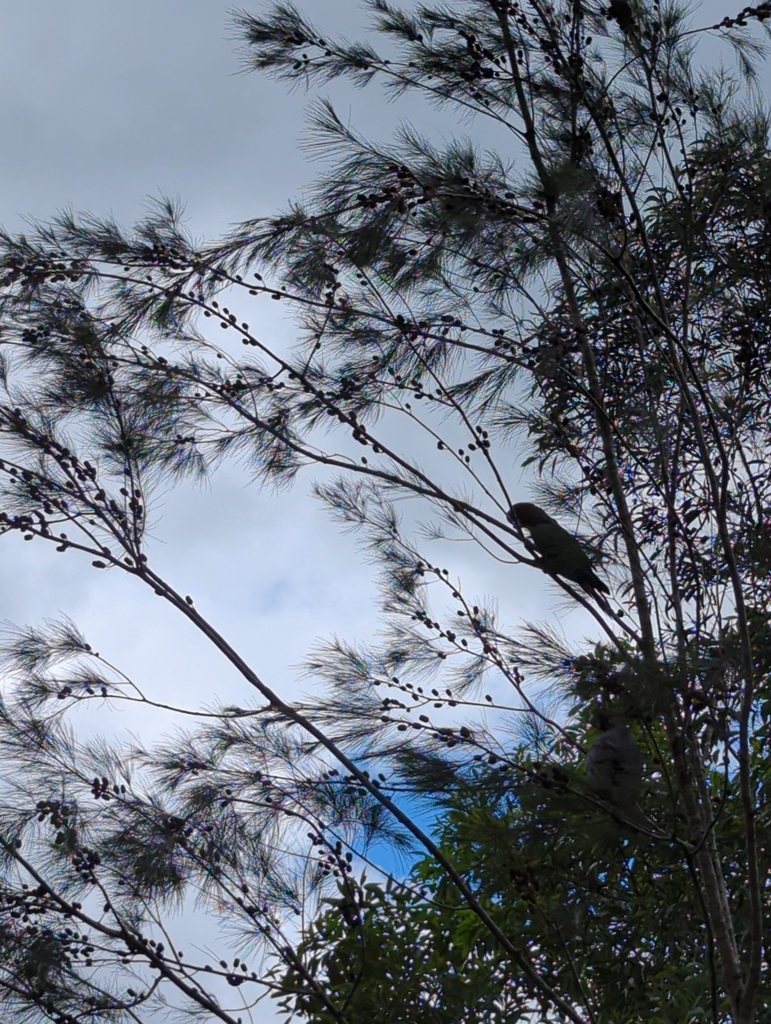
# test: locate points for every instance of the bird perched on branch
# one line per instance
(615, 764)
(560, 552)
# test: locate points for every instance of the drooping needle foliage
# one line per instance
(421, 840)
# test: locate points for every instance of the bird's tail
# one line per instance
(591, 582)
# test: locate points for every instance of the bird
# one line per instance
(615, 763)
(561, 554)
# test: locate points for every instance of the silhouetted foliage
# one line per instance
(592, 305)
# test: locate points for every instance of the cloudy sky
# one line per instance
(102, 104)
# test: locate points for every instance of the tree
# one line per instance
(595, 303)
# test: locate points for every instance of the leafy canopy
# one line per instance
(591, 304)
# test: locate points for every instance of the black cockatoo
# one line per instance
(560, 552)
(615, 764)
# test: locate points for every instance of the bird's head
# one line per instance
(528, 515)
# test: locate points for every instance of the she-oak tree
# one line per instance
(595, 302)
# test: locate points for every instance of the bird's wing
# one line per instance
(560, 549)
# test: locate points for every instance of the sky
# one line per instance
(102, 105)
(108, 104)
